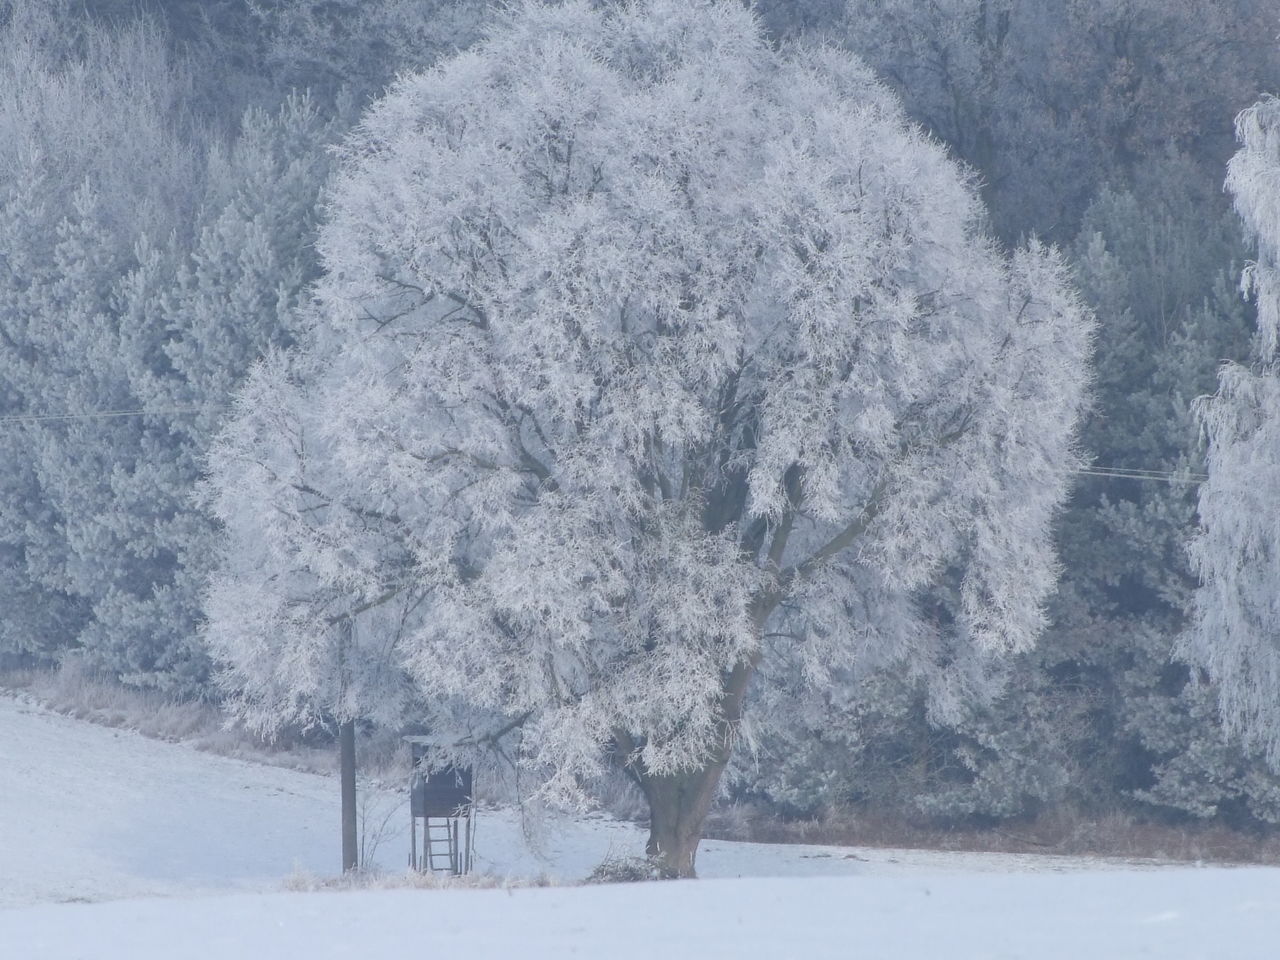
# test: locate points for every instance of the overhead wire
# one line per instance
(1136, 473)
(1105, 472)
(105, 414)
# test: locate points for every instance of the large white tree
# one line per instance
(646, 358)
(1235, 634)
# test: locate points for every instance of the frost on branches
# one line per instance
(1235, 634)
(646, 357)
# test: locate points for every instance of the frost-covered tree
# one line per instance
(195, 317)
(648, 358)
(1050, 98)
(145, 264)
(299, 614)
(358, 44)
(1236, 553)
(792, 19)
(1156, 261)
(1100, 716)
(1234, 636)
(96, 148)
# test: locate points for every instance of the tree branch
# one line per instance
(845, 538)
(493, 736)
(366, 607)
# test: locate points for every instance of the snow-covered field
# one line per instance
(192, 851)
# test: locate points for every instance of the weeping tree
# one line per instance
(1236, 552)
(646, 358)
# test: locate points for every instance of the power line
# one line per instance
(1137, 473)
(105, 414)
(1110, 473)
(1142, 471)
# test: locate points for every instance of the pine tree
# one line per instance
(195, 324)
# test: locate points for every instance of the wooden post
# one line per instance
(347, 775)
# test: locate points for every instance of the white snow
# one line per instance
(90, 813)
(1167, 914)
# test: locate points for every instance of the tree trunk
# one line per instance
(347, 776)
(679, 803)
(678, 807)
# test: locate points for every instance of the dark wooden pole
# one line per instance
(347, 774)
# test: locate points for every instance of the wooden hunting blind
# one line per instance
(442, 800)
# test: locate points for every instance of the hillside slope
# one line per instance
(91, 813)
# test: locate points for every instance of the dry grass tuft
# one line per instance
(1059, 833)
(301, 881)
(617, 868)
(74, 691)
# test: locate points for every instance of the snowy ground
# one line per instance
(93, 814)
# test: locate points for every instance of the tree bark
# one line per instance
(678, 807)
(679, 802)
(347, 776)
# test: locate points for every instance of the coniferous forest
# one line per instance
(489, 372)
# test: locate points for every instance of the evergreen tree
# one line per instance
(142, 269)
(1050, 98)
(95, 148)
(197, 322)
